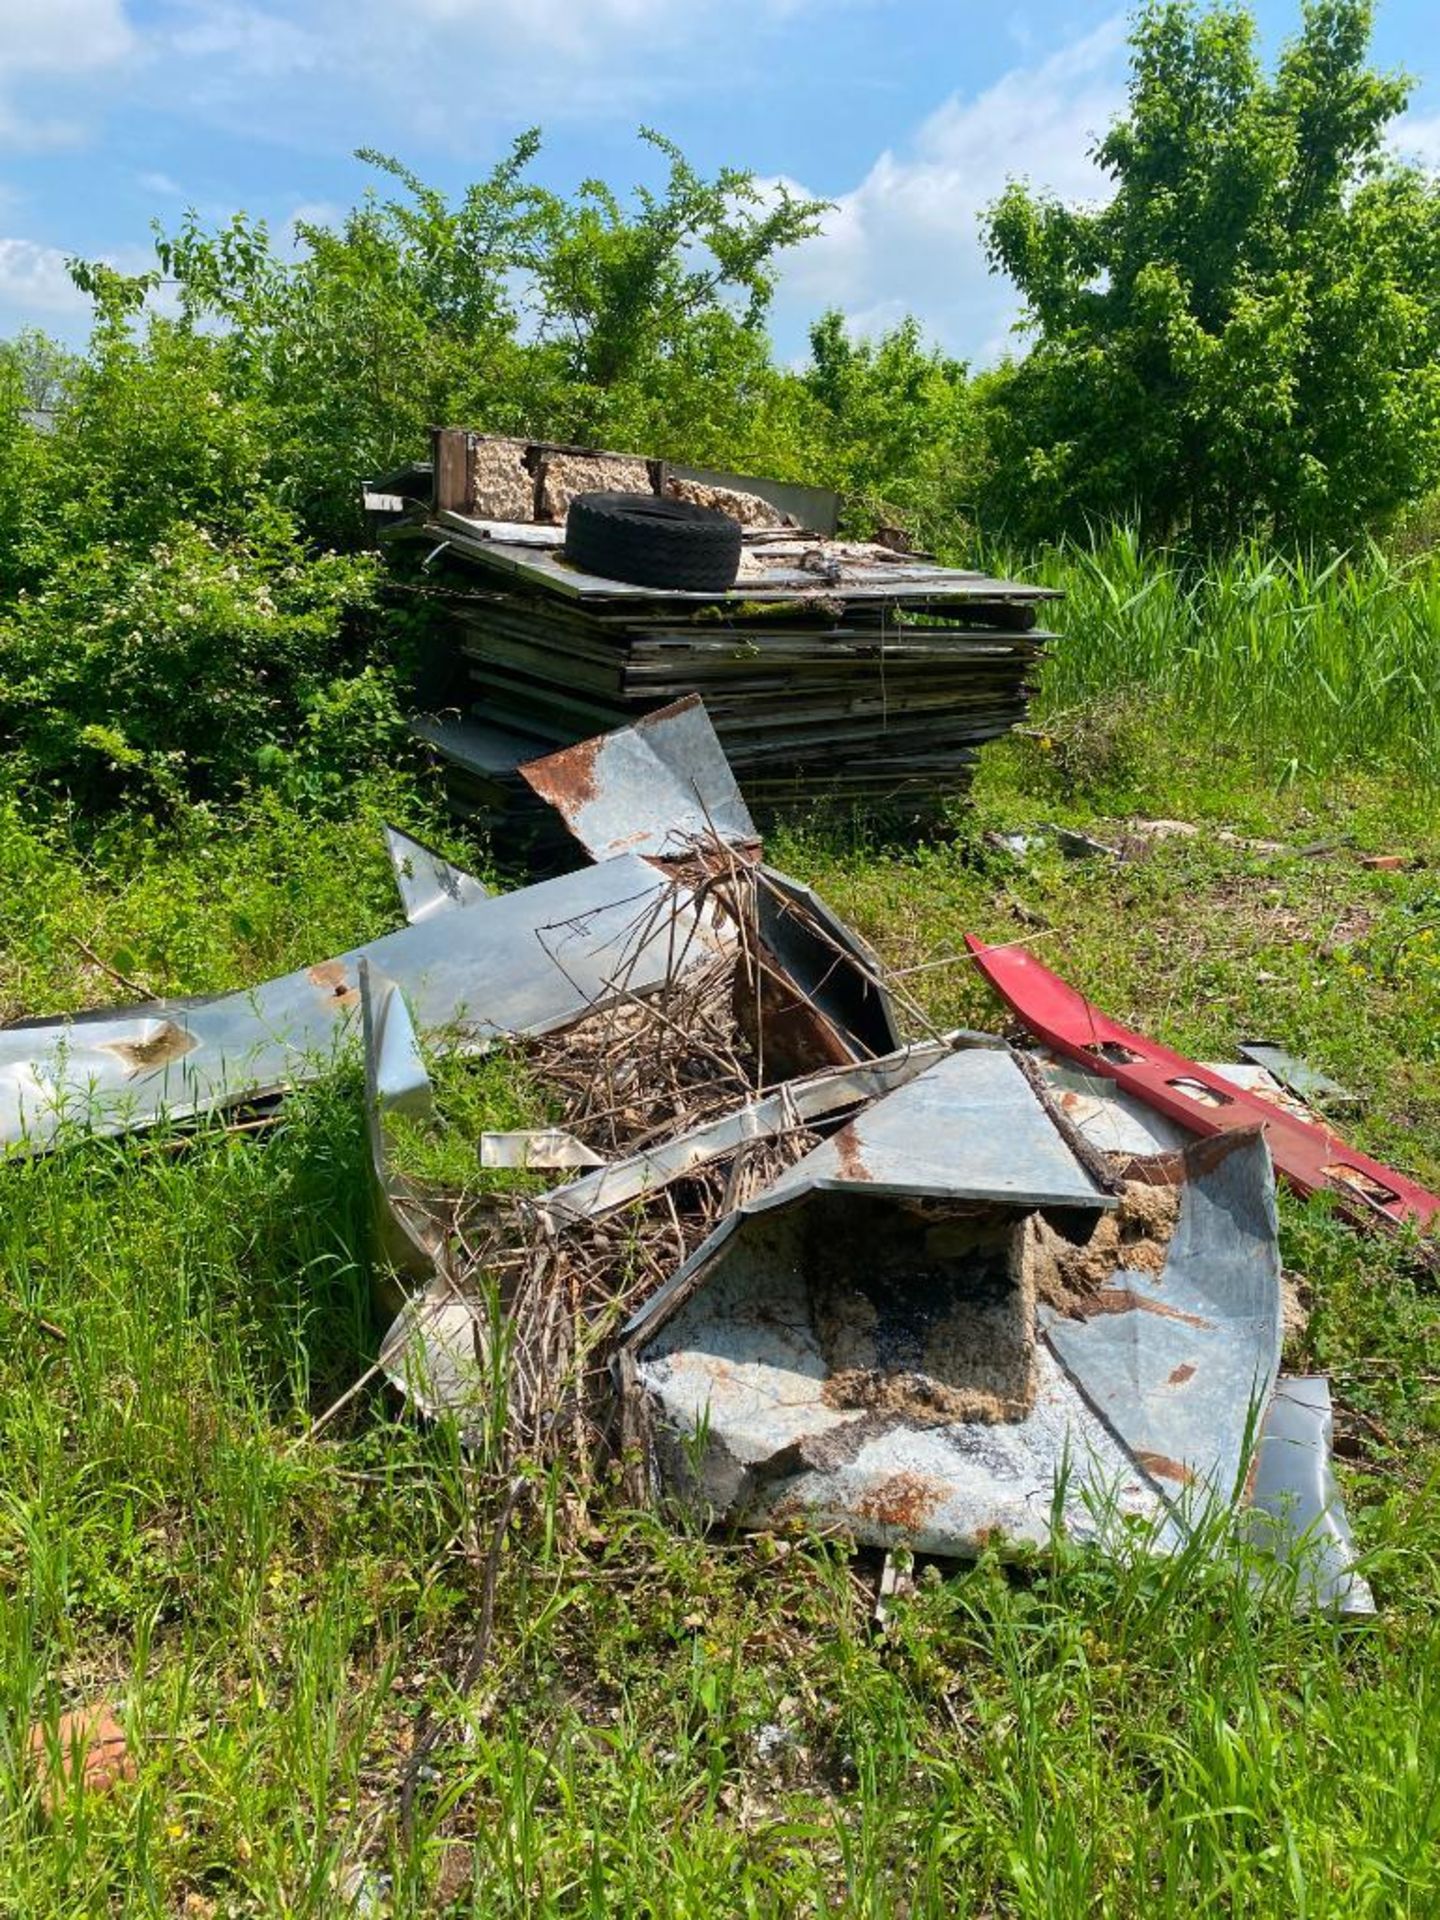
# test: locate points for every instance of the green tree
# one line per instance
(902, 434)
(511, 308)
(1247, 336)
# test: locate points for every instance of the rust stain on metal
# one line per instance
(852, 1157)
(1181, 1374)
(166, 1045)
(1122, 1300)
(904, 1500)
(792, 1035)
(568, 779)
(1162, 1467)
(333, 982)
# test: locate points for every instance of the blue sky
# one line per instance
(909, 114)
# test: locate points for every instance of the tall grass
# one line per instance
(1311, 666)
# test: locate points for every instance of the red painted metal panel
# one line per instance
(1311, 1157)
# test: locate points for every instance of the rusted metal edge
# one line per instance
(655, 788)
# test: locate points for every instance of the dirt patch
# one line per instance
(161, 1048)
(1136, 1236)
(926, 1321)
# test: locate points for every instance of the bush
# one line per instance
(169, 629)
(169, 672)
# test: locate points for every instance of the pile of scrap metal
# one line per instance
(940, 1294)
(837, 670)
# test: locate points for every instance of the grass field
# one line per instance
(668, 1724)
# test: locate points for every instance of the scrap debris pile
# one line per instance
(836, 670)
(767, 1256)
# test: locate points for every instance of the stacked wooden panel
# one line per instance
(834, 672)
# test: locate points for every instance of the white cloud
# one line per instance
(33, 279)
(342, 70)
(249, 42)
(62, 35)
(907, 238)
(48, 41)
(1416, 137)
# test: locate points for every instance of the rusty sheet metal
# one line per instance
(657, 787)
(798, 1103)
(737, 1382)
(834, 1338)
(809, 991)
(1296, 1513)
(427, 881)
(523, 962)
(968, 1128)
(1143, 1409)
(542, 1148)
(1182, 1363)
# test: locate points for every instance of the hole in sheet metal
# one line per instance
(1197, 1090)
(1112, 1051)
(1358, 1181)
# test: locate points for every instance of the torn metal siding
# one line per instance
(1182, 1363)
(518, 963)
(658, 787)
(426, 881)
(797, 1103)
(968, 1128)
(411, 1232)
(741, 1361)
(1296, 1513)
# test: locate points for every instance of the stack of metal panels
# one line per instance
(834, 671)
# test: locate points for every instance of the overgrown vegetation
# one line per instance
(1222, 443)
(670, 1724)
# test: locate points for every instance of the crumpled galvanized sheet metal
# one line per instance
(908, 1144)
(742, 1361)
(1296, 1512)
(428, 883)
(523, 962)
(797, 1103)
(541, 1148)
(436, 1352)
(412, 1238)
(658, 787)
(434, 1349)
(968, 1128)
(1182, 1363)
(1181, 1375)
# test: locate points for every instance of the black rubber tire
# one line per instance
(653, 542)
